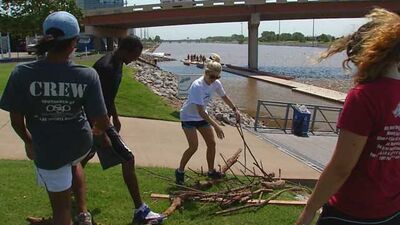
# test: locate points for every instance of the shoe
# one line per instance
(143, 215)
(180, 177)
(84, 218)
(213, 174)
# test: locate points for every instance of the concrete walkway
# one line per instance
(161, 144)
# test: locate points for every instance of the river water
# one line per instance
(299, 62)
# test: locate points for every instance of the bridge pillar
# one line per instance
(253, 25)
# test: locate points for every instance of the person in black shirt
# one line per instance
(109, 68)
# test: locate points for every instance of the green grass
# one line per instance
(5, 70)
(133, 100)
(110, 203)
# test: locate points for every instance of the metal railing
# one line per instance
(322, 118)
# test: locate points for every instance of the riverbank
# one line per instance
(165, 84)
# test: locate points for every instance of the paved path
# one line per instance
(161, 144)
(315, 150)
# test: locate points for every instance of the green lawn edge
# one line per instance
(134, 99)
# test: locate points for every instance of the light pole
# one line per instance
(279, 30)
(313, 31)
(1, 45)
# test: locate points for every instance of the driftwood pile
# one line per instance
(239, 193)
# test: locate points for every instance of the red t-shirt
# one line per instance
(373, 189)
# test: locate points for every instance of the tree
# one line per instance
(285, 37)
(325, 38)
(297, 36)
(25, 17)
(238, 37)
(157, 38)
(268, 36)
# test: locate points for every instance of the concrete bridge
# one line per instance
(114, 22)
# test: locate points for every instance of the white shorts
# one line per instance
(57, 180)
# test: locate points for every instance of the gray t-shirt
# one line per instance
(53, 98)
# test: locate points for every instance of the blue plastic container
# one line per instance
(301, 122)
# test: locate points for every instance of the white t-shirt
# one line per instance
(200, 93)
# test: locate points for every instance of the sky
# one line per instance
(335, 27)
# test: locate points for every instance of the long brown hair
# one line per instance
(372, 48)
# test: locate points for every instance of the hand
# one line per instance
(305, 218)
(29, 151)
(220, 133)
(116, 123)
(96, 131)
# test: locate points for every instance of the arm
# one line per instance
(114, 114)
(347, 153)
(18, 124)
(206, 117)
(228, 101)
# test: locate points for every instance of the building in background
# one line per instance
(98, 4)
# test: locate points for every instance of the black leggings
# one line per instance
(332, 216)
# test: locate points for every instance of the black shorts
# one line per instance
(194, 124)
(332, 216)
(108, 156)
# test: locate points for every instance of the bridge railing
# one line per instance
(209, 3)
(279, 115)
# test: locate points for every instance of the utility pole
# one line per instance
(313, 31)
(8, 34)
(279, 30)
(1, 45)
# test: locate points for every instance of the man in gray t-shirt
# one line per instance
(52, 98)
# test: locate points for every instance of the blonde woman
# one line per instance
(361, 183)
(194, 117)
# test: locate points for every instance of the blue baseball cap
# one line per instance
(64, 21)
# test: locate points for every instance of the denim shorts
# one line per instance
(194, 124)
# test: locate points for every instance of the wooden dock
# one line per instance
(295, 86)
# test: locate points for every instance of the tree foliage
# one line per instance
(25, 17)
(157, 38)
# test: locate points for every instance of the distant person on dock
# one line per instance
(109, 67)
(361, 183)
(194, 117)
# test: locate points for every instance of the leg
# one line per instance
(79, 187)
(61, 205)
(58, 184)
(191, 136)
(208, 135)
(129, 174)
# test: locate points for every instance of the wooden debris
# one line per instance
(232, 160)
(249, 201)
(279, 184)
(176, 204)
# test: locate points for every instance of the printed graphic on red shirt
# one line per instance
(396, 112)
(391, 148)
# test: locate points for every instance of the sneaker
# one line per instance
(213, 174)
(84, 218)
(180, 177)
(143, 215)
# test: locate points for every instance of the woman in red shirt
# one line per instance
(361, 183)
